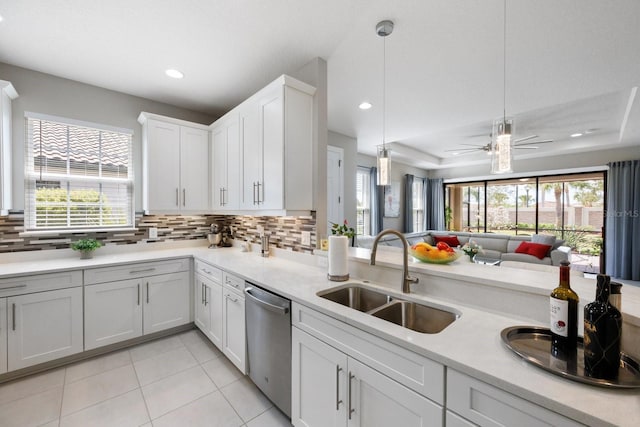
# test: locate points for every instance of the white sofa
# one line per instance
(496, 246)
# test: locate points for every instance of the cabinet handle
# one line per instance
(201, 293)
(232, 299)
(138, 293)
(229, 282)
(205, 296)
(24, 285)
(142, 271)
(13, 315)
(259, 185)
(224, 197)
(147, 292)
(254, 193)
(184, 197)
(177, 196)
(338, 401)
(351, 410)
(221, 197)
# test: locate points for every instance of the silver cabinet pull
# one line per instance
(138, 293)
(147, 292)
(146, 270)
(254, 193)
(338, 401)
(351, 410)
(177, 196)
(224, 196)
(184, 197)
(258, 192)
(205, 295)
(201, 293)
(221, 197)
(232, 299)
(13, 315)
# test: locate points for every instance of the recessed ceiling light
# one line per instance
(174, 73)
(365, 105)
(575, 135)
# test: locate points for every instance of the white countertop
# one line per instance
(471, 344)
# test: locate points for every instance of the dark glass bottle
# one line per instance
(602, 332)
(563, 304)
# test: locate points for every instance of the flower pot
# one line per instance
(86, 254)
(338, 258)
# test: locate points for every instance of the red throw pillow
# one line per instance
(538, 250)
(449, 240)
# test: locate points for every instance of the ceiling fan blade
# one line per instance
(526, 138)
(525, 148)
(546, 141)
(466, 149)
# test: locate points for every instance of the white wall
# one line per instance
(350, 147)
(47, 94)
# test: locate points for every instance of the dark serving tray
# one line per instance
(533, 344)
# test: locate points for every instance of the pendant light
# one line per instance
(383, 29)
(503, 128)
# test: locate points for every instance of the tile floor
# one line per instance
(182, 380)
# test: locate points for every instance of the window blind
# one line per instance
(77, 176)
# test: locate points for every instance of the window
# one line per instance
(417, 216)
(77, 175)
(363, 198)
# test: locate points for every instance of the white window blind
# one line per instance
(363, 197)
(418, 204)
(77, 175)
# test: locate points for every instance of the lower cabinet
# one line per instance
(166, 302)
(3, 335)
(331, 388)
(43, 326)
(208, 313)
(234, 337)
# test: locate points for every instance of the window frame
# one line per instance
(365, 211)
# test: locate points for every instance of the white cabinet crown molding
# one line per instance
(144, 116)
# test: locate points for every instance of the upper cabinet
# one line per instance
(175, 165)
(275, 131)
(7, 94)
(225, 136)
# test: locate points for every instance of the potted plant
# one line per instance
(338, 251)
(86, 247)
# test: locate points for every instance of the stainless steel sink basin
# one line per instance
(357, 297)
(417, 317)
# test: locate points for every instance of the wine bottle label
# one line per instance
(559, 316)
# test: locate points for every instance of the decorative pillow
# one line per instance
(545, 239)
(449, 240)
(538, 250)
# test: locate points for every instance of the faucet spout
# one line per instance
(406, 279)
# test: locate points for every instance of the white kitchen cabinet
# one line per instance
(175, 165)
(276, 136)
(44, 326)
(113, 312)
(333, 389)
(7, 94)
(3, 335)
(485, 405)
(234, 340)
(209, 302)
(225, 137)
(166, 302)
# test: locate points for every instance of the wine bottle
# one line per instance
(564, 316)
(602, 332)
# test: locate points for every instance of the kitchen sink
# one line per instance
(417, 317)
(357, 297)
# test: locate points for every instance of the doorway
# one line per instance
(335, 186)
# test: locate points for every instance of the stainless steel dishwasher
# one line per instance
(268, 317)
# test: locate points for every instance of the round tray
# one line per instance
(533, 344)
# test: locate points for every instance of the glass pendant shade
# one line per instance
(384, 166)
(501, 147)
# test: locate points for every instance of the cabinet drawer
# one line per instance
(233, 282)
(406, 367)
(486, 405)
(135, 270)
(208, 271)
(39, 282)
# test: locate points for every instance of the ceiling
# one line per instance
(571, 65)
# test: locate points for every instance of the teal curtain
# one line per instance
(434, 200)
(377, 200)
(622, 248)
(408, 203)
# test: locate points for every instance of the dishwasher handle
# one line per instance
(268, 306)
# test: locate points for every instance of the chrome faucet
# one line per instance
(406, 279)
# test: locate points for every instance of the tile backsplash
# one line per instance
(285, 232)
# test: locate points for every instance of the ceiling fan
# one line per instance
(518, 144)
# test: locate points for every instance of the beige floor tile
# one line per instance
(204, 351)
(97, 365)
(54, 423)
(154, 348)
(28, 386)
(176, 390)
(193, 336)
(33, 410)
(122, 411)
(271, 418)
(222, 371)
(98, 388)
(212, 410)
(246, 399)
(164, 364)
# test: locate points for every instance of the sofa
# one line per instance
(494, 246)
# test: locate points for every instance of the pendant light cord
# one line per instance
(384, 90)
(504, 64)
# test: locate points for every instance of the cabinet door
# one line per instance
(454, 420)
(163, 171)
(234, 342)
(44, 326)
(166, 302)
(271, 190)
(232, 193)
(112, 312)
(251, 154)
(319, 383)
(219, 141)
(194, 170)
(202, 315)
(375, 400)
(215, 304)
(3, 335)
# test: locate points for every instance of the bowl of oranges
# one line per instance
(439, 254)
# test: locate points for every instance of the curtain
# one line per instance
(623, 220)
(434, 204)
(408, 203)
(377, 198)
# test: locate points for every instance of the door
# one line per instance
(335, 186)
(271, 189)
(112, 312)
(219, 141)
(215, 303)
(319, 385)
(226, 165)
(202, 317)
(194, 170)
(3, 335)
(44, 326)
(233, 334)
(166, 302)
(251, 154)
(163, 171)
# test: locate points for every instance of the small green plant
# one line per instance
(84, 245)
(342, 230)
